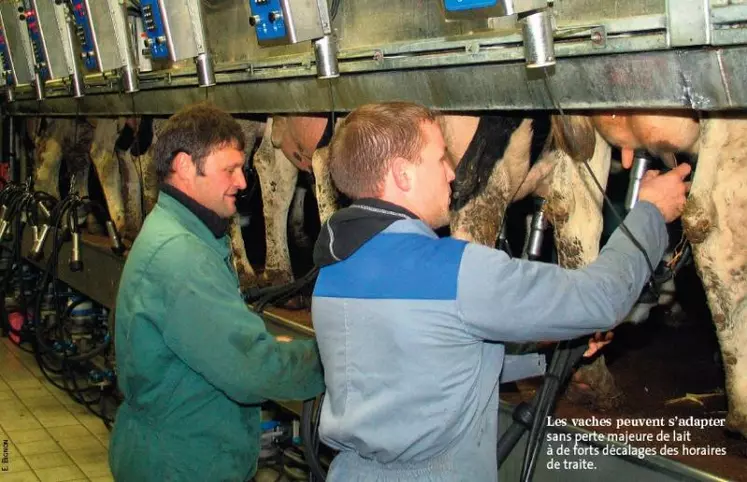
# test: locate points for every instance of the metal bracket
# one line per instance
(688, 23)
(184, 27)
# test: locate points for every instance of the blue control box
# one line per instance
(460, 5)
(84, 34)
(5, 54)
(268, 20)
(35, 34)
(153, 24)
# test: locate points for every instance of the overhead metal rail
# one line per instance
(640, 54)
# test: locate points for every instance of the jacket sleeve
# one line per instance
(209, 327)
(514, 300)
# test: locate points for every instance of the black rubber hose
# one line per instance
(49, 275)
(334, 9)
(527, 416)
(277, 294)
(564, 358)
(523, 416)
(309, 436)
(544, 402)
(78, 391)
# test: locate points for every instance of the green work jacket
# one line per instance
(193, 362)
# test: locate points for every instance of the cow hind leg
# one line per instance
(106, 162)
(48, 153)
(78, 166)
(147, 167)
(481, 218)
(715, 219)
(247, 276)
(131, 193)
(277, 179)
(296, 219)
(129, 169)
(574, 206)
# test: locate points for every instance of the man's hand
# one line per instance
(666, 191)
(597, 342)
(283, 339)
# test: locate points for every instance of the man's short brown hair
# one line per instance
(197, 130)
(368, 140)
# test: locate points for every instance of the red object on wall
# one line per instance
(15, 320)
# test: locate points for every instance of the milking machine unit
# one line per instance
(68, 333)
(663, 277)
(532, 416)
(534, 17)
(105, 39)
(535, 231)
(51, 34)
(641, 163)
(72, 345)
(176, 28)
(282, 22)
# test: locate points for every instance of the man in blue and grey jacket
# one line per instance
(411, 328)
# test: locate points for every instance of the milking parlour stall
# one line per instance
(552, 113)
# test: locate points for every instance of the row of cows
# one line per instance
(497, 159)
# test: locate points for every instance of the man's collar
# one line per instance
(384, 207)
(216, 224)
(350, 228)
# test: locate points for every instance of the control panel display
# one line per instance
(459, 5)
(153, 24)
(83, 33)
(5, 59)
(36, 41)
(267, 20)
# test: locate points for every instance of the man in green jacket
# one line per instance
(194, 362)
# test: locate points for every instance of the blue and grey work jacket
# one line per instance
(411, 331)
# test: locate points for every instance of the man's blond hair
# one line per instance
(366, 142)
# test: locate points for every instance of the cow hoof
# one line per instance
(594, 386)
